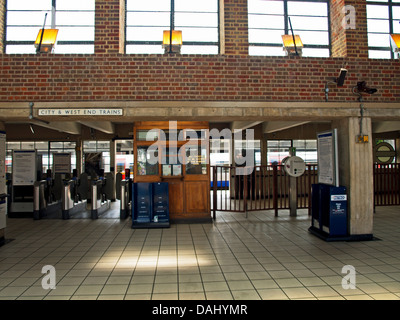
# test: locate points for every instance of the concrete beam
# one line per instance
(103, 126)
(66, 126)
(385, 126)
(242, 125)
(269, 127)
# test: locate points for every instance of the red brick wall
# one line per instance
(236, 27)
(108, 75)
(107, 22)
(203, 78)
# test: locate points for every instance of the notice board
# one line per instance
(327, 150)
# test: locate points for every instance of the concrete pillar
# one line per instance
(356, 173)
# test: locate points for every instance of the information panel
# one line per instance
(328, 171)
(24, 167)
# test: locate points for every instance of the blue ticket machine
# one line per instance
(160, 202)
(142, 202)
(329, 211)
(337, 211)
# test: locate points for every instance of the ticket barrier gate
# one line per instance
(99, 203)
(70, 202)
(41, 207)
(125, 198)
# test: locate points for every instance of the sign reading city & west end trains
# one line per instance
(81, 112)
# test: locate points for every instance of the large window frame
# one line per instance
(383, 19)
(75, 20)
(179, 19)
(259, 28)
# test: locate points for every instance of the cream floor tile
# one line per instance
(272, 294)
(114, 289)
(288, 283)
(322, 291)
(140, 288)
(215, 286)
(219, 295)
(298, 293)
(164, 296)
(142, 296)
(88, 290)
(192, 296)
(190, 287)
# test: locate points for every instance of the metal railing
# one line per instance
(387, 184)
(261, 188)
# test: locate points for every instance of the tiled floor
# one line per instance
(261, 257)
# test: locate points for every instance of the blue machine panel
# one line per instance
(338, 211)
(142, 204)
(160, 202)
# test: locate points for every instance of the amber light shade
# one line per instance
(395, 41)
(288, 44)
(176, 41)
(48, 40)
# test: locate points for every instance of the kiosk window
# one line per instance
(147, 163)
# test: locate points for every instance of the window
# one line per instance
(268, 21)
(277, 150)
(44, 149)
(97, 157)
(73, 18)
(383, 19)
(146, 21)
(307, 150)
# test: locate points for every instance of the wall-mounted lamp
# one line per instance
(395, 43)
(172, 43)
(292, 44)
(46, 40)
(339, 81)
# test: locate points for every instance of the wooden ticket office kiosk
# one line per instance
(176, 152)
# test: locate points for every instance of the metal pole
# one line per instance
(41, 35)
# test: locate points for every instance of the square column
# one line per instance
(356, 174)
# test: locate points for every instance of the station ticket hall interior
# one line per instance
(206, 151)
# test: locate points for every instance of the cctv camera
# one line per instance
(362, 87)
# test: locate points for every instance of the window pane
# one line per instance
(378, 40)
(266, 36)
(148, 19)
(378, 25)
(199, 35)
(74, 4)
(199, 49)
(266, 21)
(309, 23)
(307, 9)
(266, 51)
(24, 18)
(144, 49)
(265, 6)
(75, 19)
(396, 12)
(311, 52)
(377, 54)
(196, 5)
(196, 19)
(148, 5)
(28, 4)
(381, 12)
